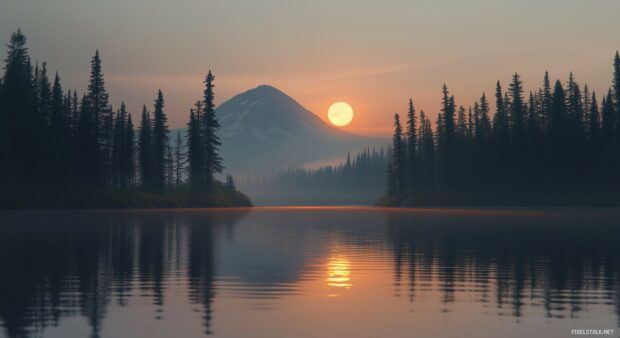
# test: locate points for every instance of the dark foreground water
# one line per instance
(309, 272)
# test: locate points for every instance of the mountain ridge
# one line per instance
(263, 130)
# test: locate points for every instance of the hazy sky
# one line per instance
(372, 54)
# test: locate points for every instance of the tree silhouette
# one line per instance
(398, 165)
(209, 128)
(145, 150)
(179, 160)
(558, 146)
(412, 140)
(58, 150)
(159, 143)
(101, 115)
(195, 153)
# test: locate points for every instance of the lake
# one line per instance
(309, 272)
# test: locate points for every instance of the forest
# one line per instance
(359, 180)
(557, 145)
(62, 149)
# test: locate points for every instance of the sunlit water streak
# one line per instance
(308, 272)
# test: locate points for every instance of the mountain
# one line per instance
(263, 130)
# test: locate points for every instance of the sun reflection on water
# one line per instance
(339, 272)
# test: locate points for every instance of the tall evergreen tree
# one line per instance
(446, 138)
(501, 138)
(609, 121)
(500, 119)
(59, 134)
(119, 149)
(517, 113)
(411, 146)
(22, 144)
(159, 143)
(587, 104)
(616, 82)
(398, 168)
(558, 128)
(545, 103)
(210, 139)
(44, 91)
(87, 146)
(179, 159)
(169, 167)
(594, 128)
(575, 113)
(129, 154)
(195, 147)
(485, 120)
(610, 144)
(427, 146)
(532, 128)
(461, 124)
(145, 154)
(101, 117)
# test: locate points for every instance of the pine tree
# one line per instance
(210, 139)
(159, 143)
(545, 103)
(75, 111)
(558, 130)
(587, 104)
(22, 143)
(87, 146)
(446, 139)
(594, 125)
(411, 147)
(609, 121)
(470, 124)
(501, 134)
(500, 120)
(609, 142)
(145, 150)
(119, 149)
(195, 147)
(129, 154)
(517, 113)
(448, 110)
(461, 125)
(532, 132)
(170, 182)
(427, 145)
(44, 93)
(179, 159)
(575, 114)
(60, 165)
(398, 159)
(616, 82)
(101, 118)
(485, 120)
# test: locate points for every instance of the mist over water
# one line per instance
(309, 272)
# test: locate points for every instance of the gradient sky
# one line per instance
(372, 54)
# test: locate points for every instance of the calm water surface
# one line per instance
(309, 272)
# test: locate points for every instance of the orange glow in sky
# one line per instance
(374, 55)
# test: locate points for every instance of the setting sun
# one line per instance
(340, 114)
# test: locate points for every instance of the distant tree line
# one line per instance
(52, 140)
(360, 179)
(559, 144)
